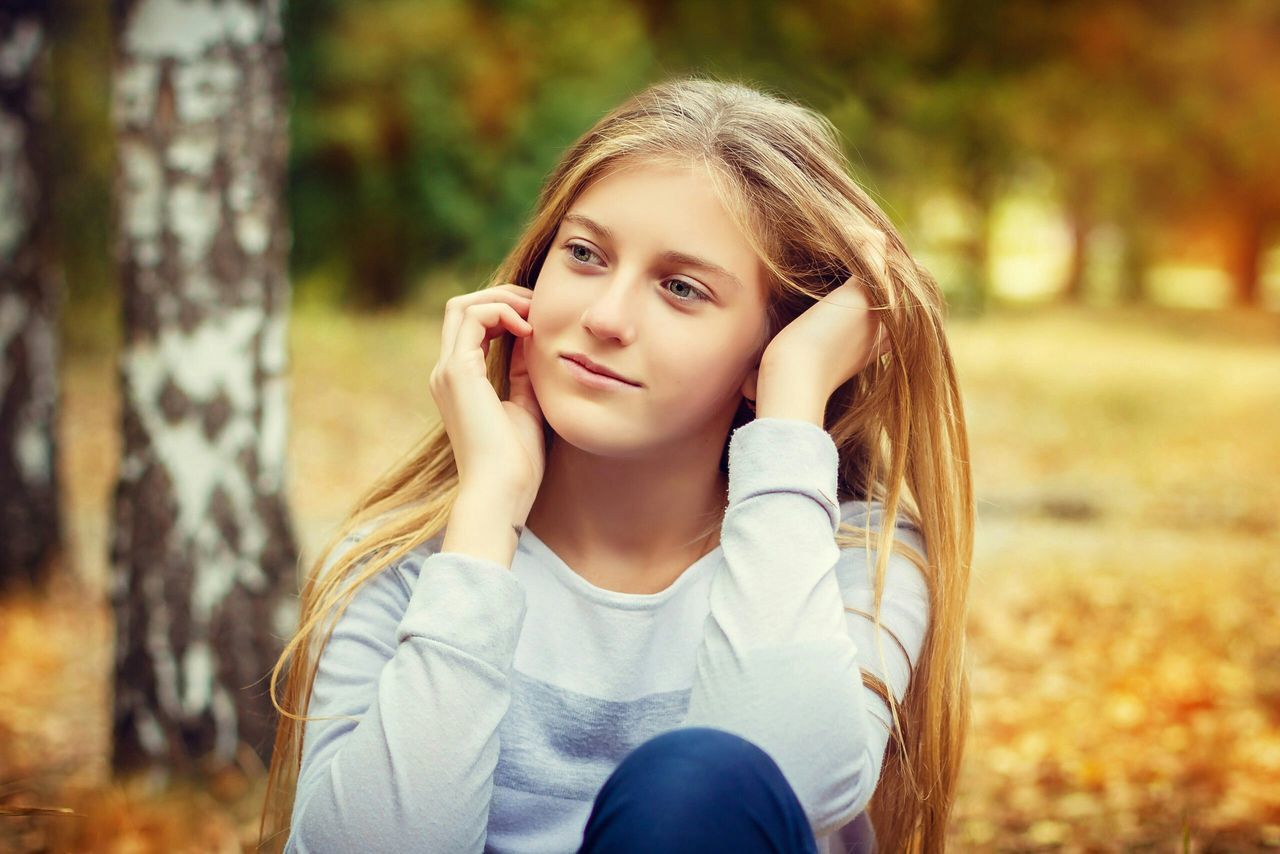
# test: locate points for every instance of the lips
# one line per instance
(598, 368)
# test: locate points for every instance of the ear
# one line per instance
(749, 384)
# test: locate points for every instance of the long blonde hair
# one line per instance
(898, 425)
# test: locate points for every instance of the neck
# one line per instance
(654, 511)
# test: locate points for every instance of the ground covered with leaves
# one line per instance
(1123, 635)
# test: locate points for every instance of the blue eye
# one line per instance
(697, 294)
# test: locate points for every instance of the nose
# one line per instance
(610, 314)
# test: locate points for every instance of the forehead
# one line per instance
(654, 210)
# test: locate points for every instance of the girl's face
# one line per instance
(648, 276)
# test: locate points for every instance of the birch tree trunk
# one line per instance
(203, 555)
(30, 530)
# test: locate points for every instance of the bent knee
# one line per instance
(702, 761)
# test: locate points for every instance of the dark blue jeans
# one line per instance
(697, 789)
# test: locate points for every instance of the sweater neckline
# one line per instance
(613, 598)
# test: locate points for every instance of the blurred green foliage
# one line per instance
(430, 125)
(422, 129)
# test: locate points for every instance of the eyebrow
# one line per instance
(671, 255)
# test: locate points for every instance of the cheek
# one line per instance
(551, 315)
(550, 303)
(542, 317)
(695, 380)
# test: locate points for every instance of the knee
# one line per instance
(708, 747)
(692, 765)
(696, 789)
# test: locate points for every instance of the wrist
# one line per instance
(788, 394)
(482, 526)
(793, 403)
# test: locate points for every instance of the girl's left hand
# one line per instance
(819, 351)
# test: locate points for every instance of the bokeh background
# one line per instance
(1094, 183)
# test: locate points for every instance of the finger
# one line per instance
(455, 307)
(881, 345)
(875, 245)
(521, 387)
(483, 321)
(520, 328)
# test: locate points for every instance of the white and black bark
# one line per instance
(203, 555)
(30, 529)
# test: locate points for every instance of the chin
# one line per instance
(592, 426)
(582, 423)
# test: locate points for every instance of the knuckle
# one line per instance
(444, 376)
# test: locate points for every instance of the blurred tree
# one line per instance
(919, 89)
(1153, 115)
(30, 530)
(424, 128)
(81, 148)
(1225, 65)
(1075, 111)
(203, 554)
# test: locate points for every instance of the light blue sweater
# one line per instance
(493, 702)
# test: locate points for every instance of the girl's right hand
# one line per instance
(497, 444)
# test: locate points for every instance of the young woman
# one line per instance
(684, 566)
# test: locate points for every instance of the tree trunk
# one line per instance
(1074, 289)
(1080, 222)
(979, 284)
(1246, 259)
(30, 530)
(203, 555)
(1136, 264)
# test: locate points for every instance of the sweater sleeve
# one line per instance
(780, 658)
(421, 660)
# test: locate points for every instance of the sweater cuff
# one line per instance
(784, 455)
(469, 603)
